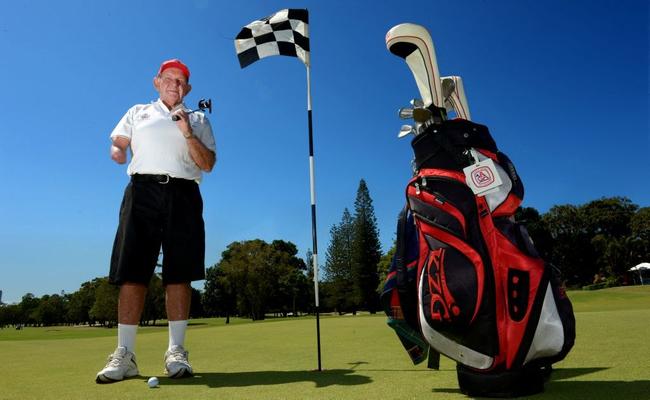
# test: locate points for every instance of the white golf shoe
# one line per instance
(176, 363)
(121, 364)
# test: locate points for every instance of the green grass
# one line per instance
(362, 359)
(612, 299)
(85, 332)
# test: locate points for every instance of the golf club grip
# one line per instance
(175, 117)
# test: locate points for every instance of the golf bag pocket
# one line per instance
(452, 274)
(449, 265)
(450, 280)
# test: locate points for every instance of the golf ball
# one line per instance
(152, 382)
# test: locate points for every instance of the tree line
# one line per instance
(95, 303)
(592, 244)
(253, 279)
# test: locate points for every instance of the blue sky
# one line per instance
(563, 86)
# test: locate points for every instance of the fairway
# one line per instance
(362, 359)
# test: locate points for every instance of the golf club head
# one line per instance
(454, 95)
(448, 86)
(203, 105)
(405, 130)
(413, 43)
(405, 113)
(206, 103)
(416, 103)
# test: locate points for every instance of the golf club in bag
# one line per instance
(466, 280)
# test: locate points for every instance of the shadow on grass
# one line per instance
(597, 389)
(360, 363)
(345, 377)
(605, 390)
(584, 389)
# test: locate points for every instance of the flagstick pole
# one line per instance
(313, 212)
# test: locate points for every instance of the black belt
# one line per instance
(162, 179)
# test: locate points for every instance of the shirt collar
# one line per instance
(166, 110)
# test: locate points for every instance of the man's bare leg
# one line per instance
(179, 296)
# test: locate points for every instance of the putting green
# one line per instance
(361, 357)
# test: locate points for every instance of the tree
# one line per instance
(571, 250)
(196, 307)
(9, 314)
(293, 285)
(384, 266)
(51, 310)
(609, 216)
(28, 306)
(260, 276)
(607, 223)
(310, 301)
(81, 302)
(639, 241)
(104, 309)
(154, 302)
(338, 265)
(602, 237)
(366, 251)
(218, 298)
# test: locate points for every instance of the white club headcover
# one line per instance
(413, 43)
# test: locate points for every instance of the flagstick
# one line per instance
(313, 212)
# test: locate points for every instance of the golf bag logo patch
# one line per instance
(482, 177)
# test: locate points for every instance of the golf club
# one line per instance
(203, 105)
(454, 96)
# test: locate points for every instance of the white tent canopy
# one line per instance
(644, 266)
(640, 267)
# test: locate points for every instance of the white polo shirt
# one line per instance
(157, 145)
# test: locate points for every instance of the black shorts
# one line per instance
(154, 214)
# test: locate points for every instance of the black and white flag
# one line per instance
(285, 33)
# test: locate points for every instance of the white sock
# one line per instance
(126, 336)
(177, 333)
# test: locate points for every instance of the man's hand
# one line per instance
(118, 149)
(203, 157)
(183, 123)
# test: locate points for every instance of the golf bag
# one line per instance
(466, 280)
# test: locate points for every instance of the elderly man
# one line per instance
(162, 206)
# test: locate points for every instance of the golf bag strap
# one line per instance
(434, 359)
(400, 251)
(404, 286)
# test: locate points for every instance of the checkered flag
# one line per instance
(285, 33)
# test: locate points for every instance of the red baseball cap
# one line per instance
(175, 63)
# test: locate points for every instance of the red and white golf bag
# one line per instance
(485, 297)
(466, 280)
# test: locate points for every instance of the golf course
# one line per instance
(361, 359)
